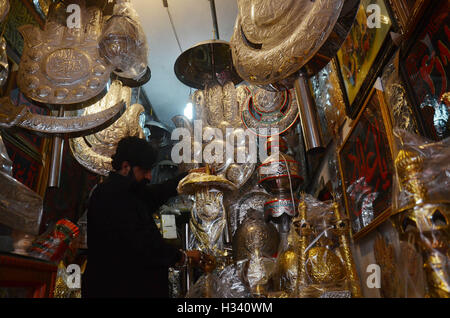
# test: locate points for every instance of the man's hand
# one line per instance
(204, 261)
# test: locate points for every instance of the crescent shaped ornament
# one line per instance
(96, 157)
(20, 116)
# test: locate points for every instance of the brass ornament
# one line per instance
(324, 266)
(385, 258)
(427, 222)
(323, 271)
(342, 230)
(272, 39)
(62, 65)
(4, 9)
(123, 42)
(255, 234)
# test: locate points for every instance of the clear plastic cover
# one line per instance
(4, 9)
(432, 171)
(4, 66)
(422, 205)
(5, 161)
(20, 208)
(123, 42)
(52, 245)
(207, 223)
(228, 283)
(316, 260)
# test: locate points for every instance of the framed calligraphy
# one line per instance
(425, 65)
(366, 166)
(364, 53)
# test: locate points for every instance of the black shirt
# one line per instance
(127, 256)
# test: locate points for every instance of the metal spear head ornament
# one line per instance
(20, 116)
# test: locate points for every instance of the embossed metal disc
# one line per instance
(255, 234)
(274, 39)
(205, 63)
(264, 111)
(62, 65)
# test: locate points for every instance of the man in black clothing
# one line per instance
(127, 256)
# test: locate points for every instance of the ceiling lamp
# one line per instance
(207, 62)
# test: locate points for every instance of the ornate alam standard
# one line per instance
(312, 266)
(424, 221)
(279, 174)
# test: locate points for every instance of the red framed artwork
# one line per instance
(366, 166)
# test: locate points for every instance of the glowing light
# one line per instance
(188, 111)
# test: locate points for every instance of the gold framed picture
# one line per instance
(366, 166)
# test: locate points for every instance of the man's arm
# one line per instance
(157, 194)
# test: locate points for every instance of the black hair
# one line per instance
(136, 151)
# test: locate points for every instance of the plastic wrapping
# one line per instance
(52, 245)
(243, 202)
(218, 109)
(4, 66)
(123, 42)
(396, 97)
(329, 101)
(316, 260)
(68, 69)
(433, 170)
(228, 283)
(4, 9)
(207, 223)
(177, 205)
(5, 161)
(20, 208)
(423, 206)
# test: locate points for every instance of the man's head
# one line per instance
(134, 157)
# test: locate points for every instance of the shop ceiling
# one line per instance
(193, 23)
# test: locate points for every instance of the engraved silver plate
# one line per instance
(62, 65)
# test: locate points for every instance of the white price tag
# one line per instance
(169, 226)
